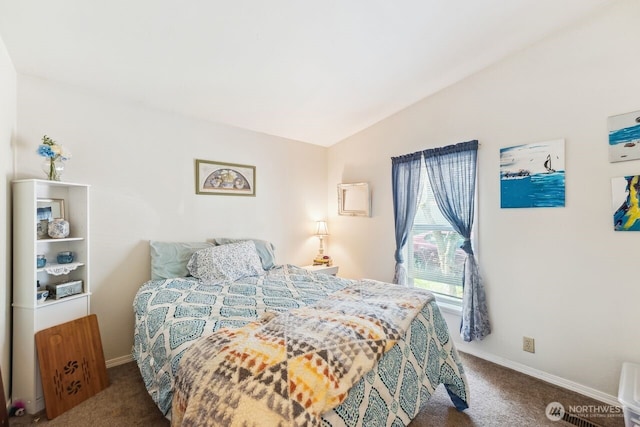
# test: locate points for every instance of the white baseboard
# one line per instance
(119, 361)
(544, 376)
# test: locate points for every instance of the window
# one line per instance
(435, 260)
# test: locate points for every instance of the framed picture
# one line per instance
(227, 179)
(624, 137)
(50, 208)
(532, 175)
(46, 211)
(625, 191)
(354, 199)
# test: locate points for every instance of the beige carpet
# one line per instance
(499, 397)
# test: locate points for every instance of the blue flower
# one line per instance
(46, 151)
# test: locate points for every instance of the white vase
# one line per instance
(58, 228)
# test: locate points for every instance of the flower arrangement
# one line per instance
(228, 175)
(55, 155)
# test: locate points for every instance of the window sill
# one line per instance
(449, 305)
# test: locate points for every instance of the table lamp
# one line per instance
(321, 232)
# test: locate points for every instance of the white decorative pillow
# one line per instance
(265, 249)
(226, 262)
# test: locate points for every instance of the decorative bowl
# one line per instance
(41, 261)
(65, 257)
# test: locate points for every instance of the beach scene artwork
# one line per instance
(625, 192)
(532, 175)
(624, 137)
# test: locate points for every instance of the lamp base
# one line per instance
(322, 259)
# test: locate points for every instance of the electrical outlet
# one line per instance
(528, 344)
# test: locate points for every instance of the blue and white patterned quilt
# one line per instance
(172, 314)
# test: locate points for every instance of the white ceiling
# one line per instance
(314, 71)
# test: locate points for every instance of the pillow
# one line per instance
(265, 249)
(226, 262)
(169, 259)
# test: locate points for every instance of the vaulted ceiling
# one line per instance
(313, 71)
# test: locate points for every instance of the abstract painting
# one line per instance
(532, 175)
(626, 207)
(624, 137)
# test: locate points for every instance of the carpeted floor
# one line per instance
(499, 397)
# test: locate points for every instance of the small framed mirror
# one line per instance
(354, 199)
(50, 208)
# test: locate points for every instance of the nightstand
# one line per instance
(333, 270)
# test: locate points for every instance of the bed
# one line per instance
(174, 316)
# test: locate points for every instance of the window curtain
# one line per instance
(452, 174)
(407, 186)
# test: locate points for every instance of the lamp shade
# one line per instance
(321, 228)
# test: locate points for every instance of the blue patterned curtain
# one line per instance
(452, 175)
(407, 187)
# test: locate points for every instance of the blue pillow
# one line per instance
(265, 249)
(169, 259)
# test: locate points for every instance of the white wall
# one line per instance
(140, 165)
(560, 275)
(7, 133)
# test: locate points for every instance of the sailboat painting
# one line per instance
(624, 137)
(626, 203)
(532, 175)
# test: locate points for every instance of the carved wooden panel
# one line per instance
(72, 365)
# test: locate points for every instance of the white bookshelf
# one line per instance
(29, 316)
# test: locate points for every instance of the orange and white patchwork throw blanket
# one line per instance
(287, 369)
